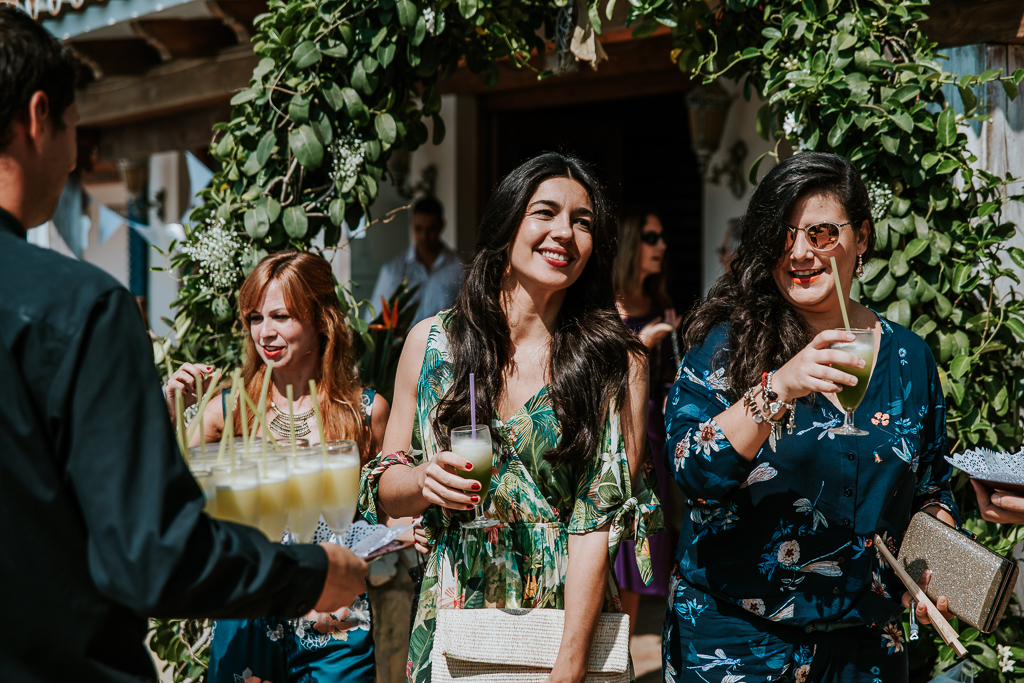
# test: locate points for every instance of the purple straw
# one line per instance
(472, 402)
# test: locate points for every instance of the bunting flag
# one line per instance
(111, 221)
(198, 178)
(68, 217)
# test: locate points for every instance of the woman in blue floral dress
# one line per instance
(777, 578)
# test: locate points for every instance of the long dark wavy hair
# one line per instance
(627, 261)
(590, 347)
(765, 331)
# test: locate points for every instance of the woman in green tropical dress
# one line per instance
(564, 384)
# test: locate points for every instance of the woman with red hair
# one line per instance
(290, 309)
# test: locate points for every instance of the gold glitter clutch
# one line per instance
(977, 581)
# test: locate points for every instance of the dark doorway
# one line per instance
(640, 148)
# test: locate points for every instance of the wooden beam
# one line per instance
(582, 92)
(242, 11)
(168, 89)
(124, 57)
(966, 22)
(648, 58)
(188, 38)
(187, 130)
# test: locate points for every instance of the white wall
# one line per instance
(165, 172)
(111, 256)
(720, 204)
(443, 156)
(456, 189)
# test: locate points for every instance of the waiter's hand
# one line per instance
(997, 506)
(346, 579)
(190, 379)
(941, 603)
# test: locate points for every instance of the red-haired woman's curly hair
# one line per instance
(307, 286)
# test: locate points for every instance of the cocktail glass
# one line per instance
(474, 444)
(306, 493)
(238, 493)
(863, 346)
(341, 485)
(204, 477)
(275, 495)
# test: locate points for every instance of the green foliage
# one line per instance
(184, 645)
(378, 360)
(340, 84)
(861, 80)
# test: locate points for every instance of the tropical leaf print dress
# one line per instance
(522, 562)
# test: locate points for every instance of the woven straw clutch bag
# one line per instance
(520, 646)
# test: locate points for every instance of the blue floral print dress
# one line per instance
(776, 577)
(320, 647)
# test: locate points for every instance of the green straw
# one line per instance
(261, 412)
(245, 418)
(179, 423)
(235, 379)
(224, 435)
(319, 421)
(839, 290)
(202, 409)
(291, 422)
(262, 417)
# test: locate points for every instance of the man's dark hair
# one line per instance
(31, 60)
(429, 206)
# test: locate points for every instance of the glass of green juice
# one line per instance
(863, 346)
(474, 444)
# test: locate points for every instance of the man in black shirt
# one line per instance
(101, 524)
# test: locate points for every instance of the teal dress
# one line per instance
(317, 648)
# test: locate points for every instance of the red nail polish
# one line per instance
(476, 486)
(469, 466)
(475, 499)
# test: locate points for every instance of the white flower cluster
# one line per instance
(348, 156)
(1006, 664)
(790, 64)
(791, 126)
(215, 252)
(429, 19)
(880, 196)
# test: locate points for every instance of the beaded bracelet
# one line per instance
(770, 406)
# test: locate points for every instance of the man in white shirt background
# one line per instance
(428, 263)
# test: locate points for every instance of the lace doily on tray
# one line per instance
(988, 465)
(366, 540)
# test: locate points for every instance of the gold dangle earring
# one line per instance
(860, 266)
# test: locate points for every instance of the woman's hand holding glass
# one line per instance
(189, 378)
(441, 486)
(812, 368)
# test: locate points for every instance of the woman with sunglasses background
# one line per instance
(777, 577)
(646, 308)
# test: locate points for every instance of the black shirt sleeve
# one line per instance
(150, 547)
